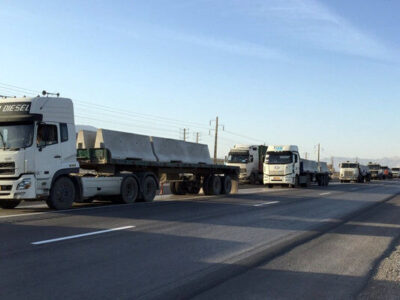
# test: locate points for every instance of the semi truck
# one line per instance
(250, 160)
(396, 172)
(42, 158)
(284, 166)
(376, 170)
(354, 171)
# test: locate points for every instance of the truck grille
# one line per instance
(276, 173)
(7, 168)
(348, 173)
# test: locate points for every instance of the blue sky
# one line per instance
(281, 72)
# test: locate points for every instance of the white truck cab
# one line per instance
(37, 145)
(283, 166)
(354, 171)
(250, 159)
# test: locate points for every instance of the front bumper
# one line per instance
(8, 189)
(348, 178)
(288, 179)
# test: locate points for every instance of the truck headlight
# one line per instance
(24, 184)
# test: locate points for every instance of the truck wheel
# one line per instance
(206, 189)
(129, 190)
(62, 194)
(180, 188)
(226, 185)
(172, 188)
(214, 185)
(149, 189)
(9, 204)
(193, 189)
(252, 178)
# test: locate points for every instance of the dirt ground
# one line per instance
(386, 282)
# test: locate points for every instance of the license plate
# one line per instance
(276, 178)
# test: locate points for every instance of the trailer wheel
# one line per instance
(149, 189)
(62, 194)
(226, 185)
(9, 204)
(193, 189)
(172, 188)
(214, 185)
(129, 190)
(206, 189)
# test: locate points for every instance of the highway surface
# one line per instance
(259, 244)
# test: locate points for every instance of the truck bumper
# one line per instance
(278, 179)
(348, 178)
(9, 188)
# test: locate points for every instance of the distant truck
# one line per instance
(41, 158)
(250, 159)
(396, 172)
(387, 172)
(283, 166)
(354, 171)
(376, 171)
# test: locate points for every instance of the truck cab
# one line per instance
(396, 172)
(282, 165)
(353, 171)
(249, 158)
(376, 171)
(37, 145)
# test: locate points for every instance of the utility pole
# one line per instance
(197, 137)
(216, 137)
(216, 140)
(306, 155)
(319, 150)
(184, 133)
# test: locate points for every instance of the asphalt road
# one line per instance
(260, 243)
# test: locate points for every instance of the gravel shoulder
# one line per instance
(385, 284)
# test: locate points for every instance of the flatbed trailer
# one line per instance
(184, 178)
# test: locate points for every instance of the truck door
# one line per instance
(48, 154)
(296, 164)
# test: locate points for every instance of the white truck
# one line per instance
(396, 172)
(354, 171)
(376, 171)
(39, 160)
(250, 160)
(283, 166)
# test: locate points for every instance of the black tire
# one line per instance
(149, 189)
(193, 189)
(9, 204)
(270, 186)
(172, 188)
(180, 187)
(129, 190)
(62, 194)
(226, 185)
(215, 185)
(252, 178)
(206, 182)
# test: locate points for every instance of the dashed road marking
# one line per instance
(80, 235)
(323, 194)
(266, 203)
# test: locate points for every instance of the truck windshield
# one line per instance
(374, 167)
(279, 158)
(238, 157)
(347, 165)
(14, 136)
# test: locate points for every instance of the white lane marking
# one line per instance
(266, 203)
(323, 194)
(28, 214)
(353, 189)
(80, 235)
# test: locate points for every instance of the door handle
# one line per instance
(57, 156)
